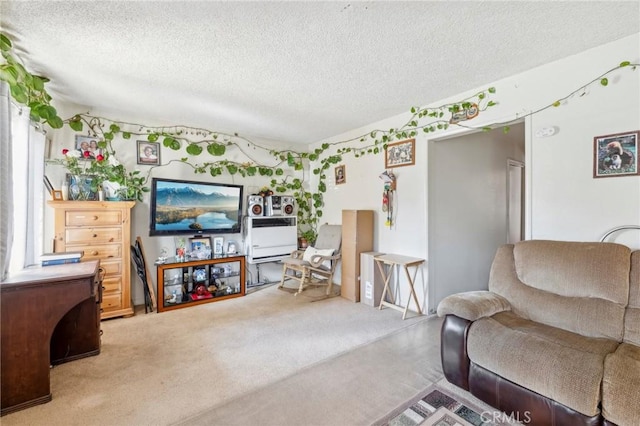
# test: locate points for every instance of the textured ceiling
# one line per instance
(294, 71)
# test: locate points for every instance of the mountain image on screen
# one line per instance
(191, 208)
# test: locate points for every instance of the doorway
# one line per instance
(468, 202)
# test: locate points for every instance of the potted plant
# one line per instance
(307, 238)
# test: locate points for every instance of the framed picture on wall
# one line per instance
(88, 147)
(149, 153)
(400, 154)
(616, 155)
(341, 175)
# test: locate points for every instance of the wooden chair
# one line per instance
(138, 259)
(315, 265)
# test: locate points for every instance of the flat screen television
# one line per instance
(188, 207)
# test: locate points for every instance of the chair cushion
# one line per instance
(312, 251)
(621, 386)
(559, 364)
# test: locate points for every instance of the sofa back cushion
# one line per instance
(632, 315)
(577, 286)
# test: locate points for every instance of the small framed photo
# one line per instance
(88, 147)
(57, 195)
(200, 243)
(616, 155)
(232, 247)
(341, 175)
(149, 153)
(401, 153)
(218, 245)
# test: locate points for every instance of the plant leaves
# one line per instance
(604, 81)
(194, 149)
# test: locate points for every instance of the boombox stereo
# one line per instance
(255, 205)
(278, 205)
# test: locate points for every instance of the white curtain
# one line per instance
(22, 187)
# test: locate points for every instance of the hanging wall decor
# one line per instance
(401, 153)
(615, 155)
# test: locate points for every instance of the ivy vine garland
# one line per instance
(287, 172)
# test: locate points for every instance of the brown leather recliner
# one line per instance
(543, 343)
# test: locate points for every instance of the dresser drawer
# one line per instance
(93, 217)
(111, 268)
(102, 252)
(93, 235)
(112, 285)
(111, 302)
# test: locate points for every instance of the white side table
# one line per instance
(395, 261)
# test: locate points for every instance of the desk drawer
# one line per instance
(104, 251)
(93, 217)
(93, 235)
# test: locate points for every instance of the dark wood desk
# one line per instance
(50, 315)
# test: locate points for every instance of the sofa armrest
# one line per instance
(473, 305)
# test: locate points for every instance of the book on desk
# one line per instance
(61, 258)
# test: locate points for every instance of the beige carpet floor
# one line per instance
(160, 369)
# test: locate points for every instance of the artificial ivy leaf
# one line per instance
(251, 170)
(108, 136)
(167, 142)
(232, 169)
(325, 146)
(19, 94)
(76, 125)
(153, 137)
(491, 103)
(506, 129)
(604, 81)
(5, 43)
(126, 135)
(491, 90)
(625, 64)
(216, 149)
(175, 145)
(114, 128)
(298, 166)
(38, 84)
(290, 160)
(556, 104)
(55, 122)
(194, 149)
(413, 110)
(313, 157)
(103, 144)
(7, 76)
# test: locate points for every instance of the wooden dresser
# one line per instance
(102, 229)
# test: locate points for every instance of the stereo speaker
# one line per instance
(255, 205)
(287, 205)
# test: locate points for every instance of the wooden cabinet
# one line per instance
(102, 230)
(196, 281)
(357, 237)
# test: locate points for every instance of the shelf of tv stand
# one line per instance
(178, 276)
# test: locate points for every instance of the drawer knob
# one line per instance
(94, 253)
(95, 218)
(95, 235)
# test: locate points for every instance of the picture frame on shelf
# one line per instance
(148, 153)
(88, 144)
(200, 243)
(57, 195)
(232, 247)
(218, 245)
(616, 155)
(400, 154)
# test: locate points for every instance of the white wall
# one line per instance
(563, 200)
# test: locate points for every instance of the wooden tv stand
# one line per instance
(223, 276)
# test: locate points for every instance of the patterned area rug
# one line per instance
(439, 406)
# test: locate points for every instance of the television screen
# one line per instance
(189, 207)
